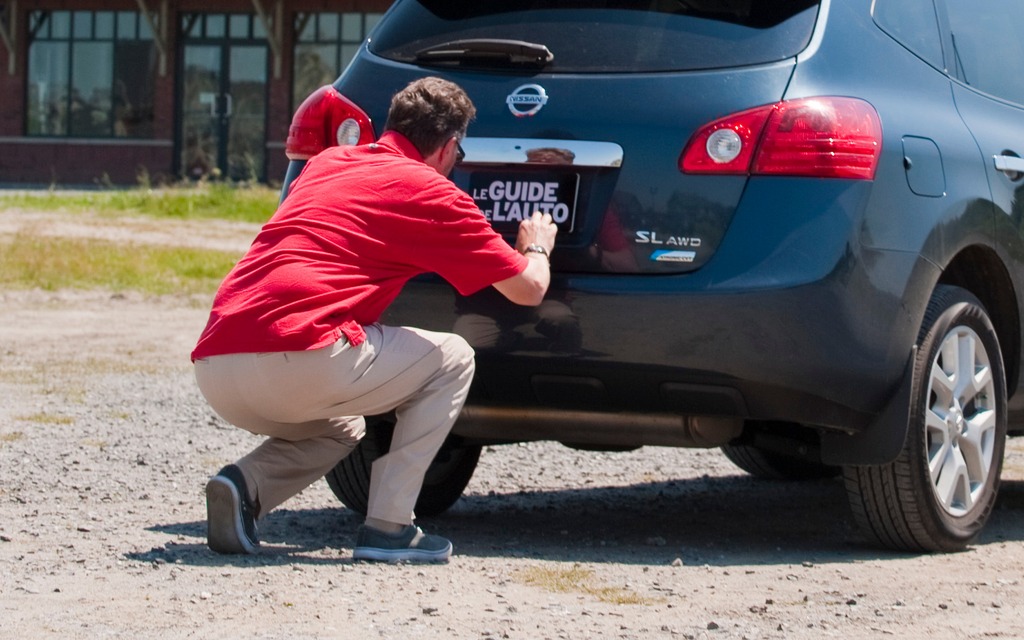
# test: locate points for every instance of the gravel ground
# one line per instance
(106, 445)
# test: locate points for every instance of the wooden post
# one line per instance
(9, 34)
(274, 28)
(159, 28)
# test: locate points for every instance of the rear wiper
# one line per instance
(510, 52)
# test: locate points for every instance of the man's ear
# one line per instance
(450, 147)
(440, 155)
(436, 158)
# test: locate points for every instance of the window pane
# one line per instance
(239, 26)
(215, 26)
(340, 36)
(135, 72)
(348, 51)
(989, 53)
(305, 27)
(60, 24)
(38, 22)
(83, 25)
(126, 21)
(246, 134)
(47, 88)
(315, 66)
(259, 30)
(92, 74)
(104, 25)
(328, 31)
(248, 66)
(913, 24)
(611, 35)
(145, 33)
(352, 27)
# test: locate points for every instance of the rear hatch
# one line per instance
(585, 107)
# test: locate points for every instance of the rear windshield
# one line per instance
(602, 36)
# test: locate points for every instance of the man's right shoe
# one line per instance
(230, 515)
(408, 545)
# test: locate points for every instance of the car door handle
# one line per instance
(1012, 166)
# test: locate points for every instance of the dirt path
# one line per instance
(105, 446)
(220, 235)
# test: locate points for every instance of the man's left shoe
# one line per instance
(230, 515)
(408, 545)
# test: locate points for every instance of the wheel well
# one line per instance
(979, 270)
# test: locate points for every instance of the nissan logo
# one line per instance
(526, 100)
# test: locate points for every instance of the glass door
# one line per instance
(247, 106)
(202, 112)
(222, 100)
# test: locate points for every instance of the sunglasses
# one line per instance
(460, 154)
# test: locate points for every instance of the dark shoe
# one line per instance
(408, 545)
(230, 515)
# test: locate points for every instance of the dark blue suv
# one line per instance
(788, 228)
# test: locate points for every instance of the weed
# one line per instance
(46, 418)
(578, 580)
(97, 444)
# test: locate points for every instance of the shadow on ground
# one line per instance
(720, 521)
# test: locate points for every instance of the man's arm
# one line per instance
(528, 288)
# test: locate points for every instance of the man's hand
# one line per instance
(528, 288)
(538, 230)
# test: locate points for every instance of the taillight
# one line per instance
(819, 137)
(726, 145)
(326, 119)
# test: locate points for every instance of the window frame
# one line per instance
(344, 48)
(938, 62)
(122, 31)
(955, 69)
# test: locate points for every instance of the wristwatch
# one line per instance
(536, 248)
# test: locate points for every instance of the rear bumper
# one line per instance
(830, 353)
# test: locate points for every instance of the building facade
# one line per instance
(130, 91)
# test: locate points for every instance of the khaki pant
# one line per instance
(311, 403)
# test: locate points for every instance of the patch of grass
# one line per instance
(14, 436)
(70, 378)
(17, 375)
(46, 418)
(577, 580)
(92, 366)
(97, 444)
(246, 203)
(48, 263)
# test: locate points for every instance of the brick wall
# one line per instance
(86, 163)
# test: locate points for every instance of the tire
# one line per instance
(443, 483)
(771, 465)
(940, 490)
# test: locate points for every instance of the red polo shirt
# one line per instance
(356, 226)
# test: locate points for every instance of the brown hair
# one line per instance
(429, 111)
